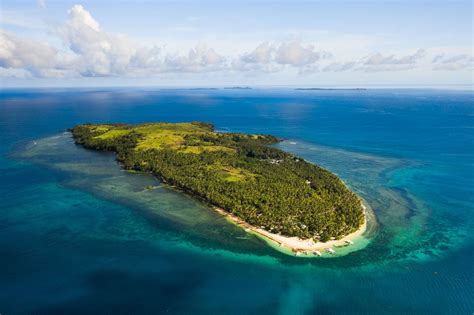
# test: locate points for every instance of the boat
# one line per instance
(349, 242)
(317, 253)
(331, 251)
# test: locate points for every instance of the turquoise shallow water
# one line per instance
(80, 235)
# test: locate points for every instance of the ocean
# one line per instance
(79, 235)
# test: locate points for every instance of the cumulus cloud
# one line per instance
(340, 66)
(262, 54)
(260, 59)
(295, 54)
(100, 53)
(268, 57)
(93, 52)
(198, 59)
(239, 65)
(453, 63)
(379, 59)
(87, 49)
(107, 54)
(379, 62)
(39, 59)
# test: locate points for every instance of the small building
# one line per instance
(275, 161)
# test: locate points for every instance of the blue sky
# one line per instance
(206, 43)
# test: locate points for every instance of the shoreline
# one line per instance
(294, 245)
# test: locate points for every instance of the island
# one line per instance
(238, 88)
(269, 192)
(331, 89)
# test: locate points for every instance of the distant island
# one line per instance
(331, 89)
(238, 88)
(269, 192)
(195, 89)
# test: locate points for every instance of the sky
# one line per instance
(236, 43)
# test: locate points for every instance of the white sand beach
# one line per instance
(296, 245)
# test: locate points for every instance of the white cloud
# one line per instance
(274, 57)
(378, 62)
(100, 53)
(91, 51)
(147, 60)
(11, 73)
(41, 3)
(295, 54)
(453, 63)
(340, 66)
(438, 58)
(198, 59)
(39, 59)
(262, 54)
(379, 59)
(387, 67)
(87, 49)
(110, 54)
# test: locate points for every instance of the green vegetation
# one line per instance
(240, 173)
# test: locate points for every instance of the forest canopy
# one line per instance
(240, 173)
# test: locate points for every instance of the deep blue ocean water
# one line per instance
(78, 235)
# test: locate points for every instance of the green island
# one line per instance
(259, 186)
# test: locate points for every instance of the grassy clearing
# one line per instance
(181, 128)
(160, 140)
(114, 133)
(100, 128)
(196, 149)
(232, 174)
(165, 135)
